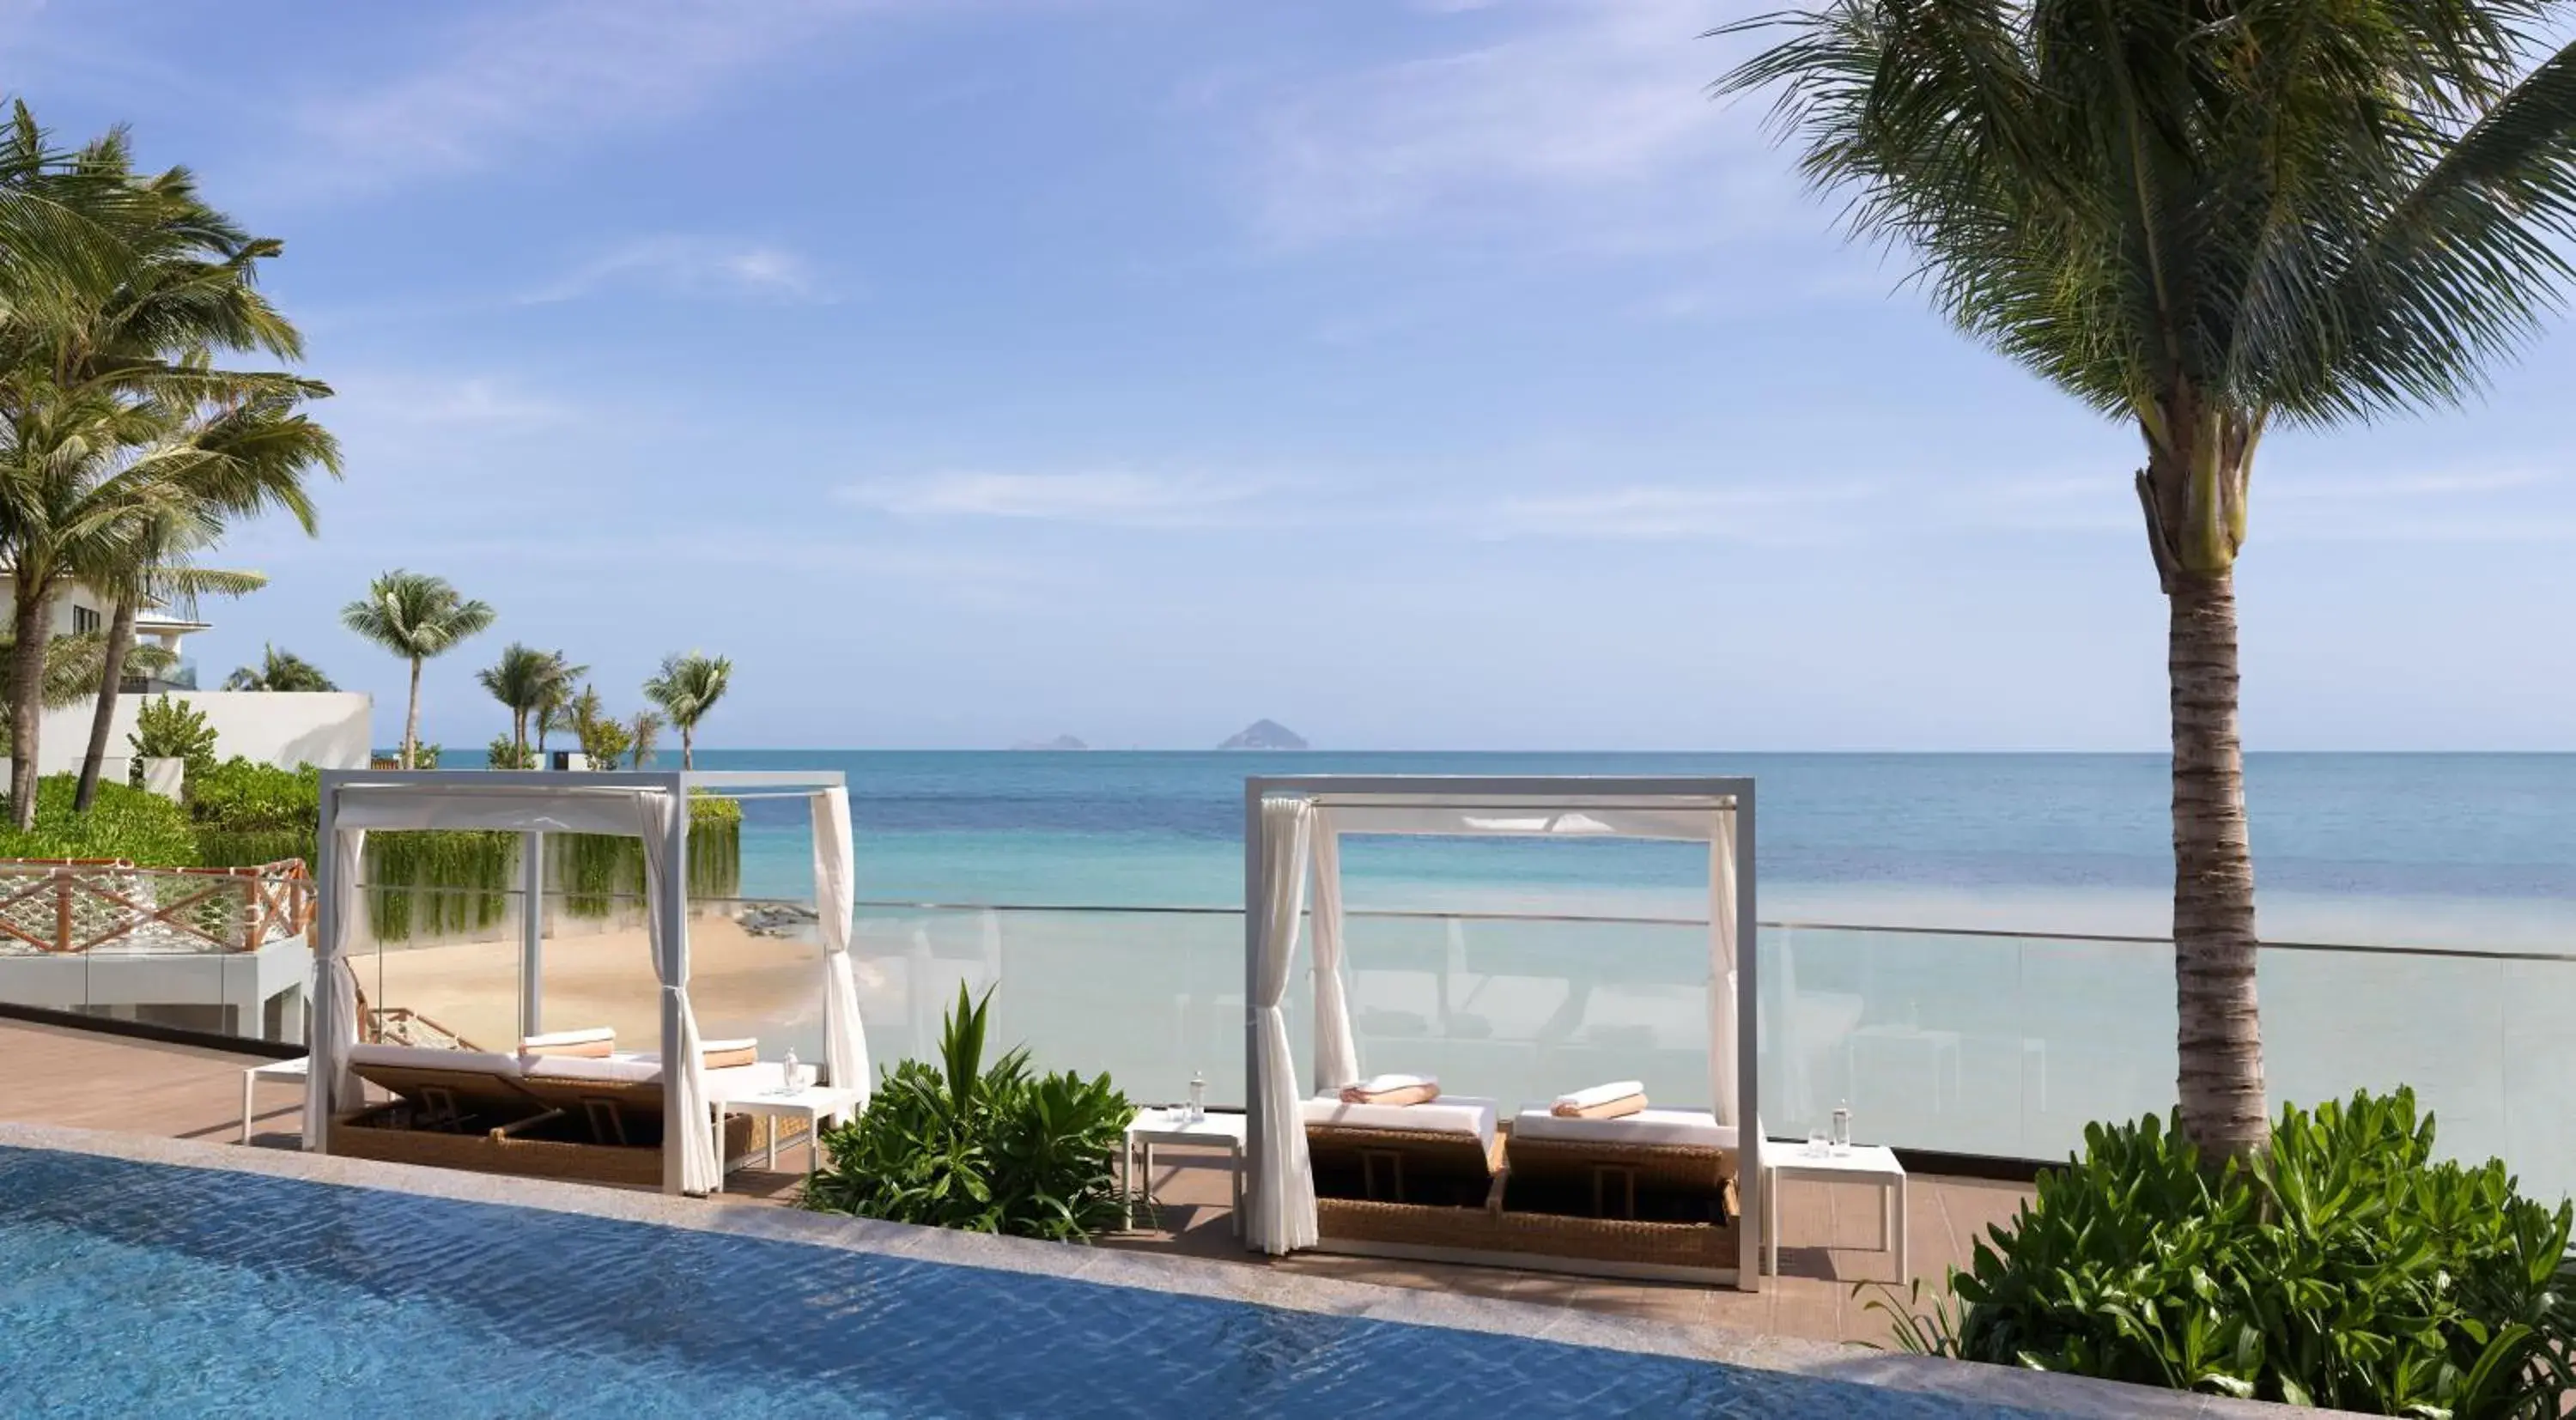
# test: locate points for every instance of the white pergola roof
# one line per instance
(1292, 831)
(646, 804)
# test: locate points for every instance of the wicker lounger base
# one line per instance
(1539, 1242)
(370, 1134)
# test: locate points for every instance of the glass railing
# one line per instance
(1990, 1043)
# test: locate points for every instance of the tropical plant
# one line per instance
(2344, 1267)
(114, 415)
(415, 616)
(125, 822)
(642, 734)
(72, 663)
(2205, 220)
(152, 568)
(507, 753)
(526, 680)
(995, 1149)
(424, 756)
(247, 812)
(688, 687)
(171, 729)
(279, 671)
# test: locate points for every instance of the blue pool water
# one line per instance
(137, 1289)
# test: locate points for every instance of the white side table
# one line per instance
(1869, 1163)
(817, 1105)
(1174, 1126)
(293, 1072)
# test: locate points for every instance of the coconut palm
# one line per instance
(688, 687)
(415, 616)
(526, 679)
(643, 734)
(279, 671)
(2203, 221)
(113, 411)
(151, 567)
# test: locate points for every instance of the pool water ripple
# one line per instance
(130, 1288)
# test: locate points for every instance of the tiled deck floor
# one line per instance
(50, 1075)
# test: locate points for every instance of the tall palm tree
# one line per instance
(525, 679)
(415, 616)
(2202, 220)
(113, 410)
(688, 687)
(279, 671)
(152, 568)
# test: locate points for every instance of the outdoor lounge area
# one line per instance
(571, 1104)
(1596, 1183)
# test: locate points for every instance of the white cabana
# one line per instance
(1293, 828)
(646, 805)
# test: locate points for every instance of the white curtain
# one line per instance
(1282, 1202)
(333, 1020)
(1337, 1052)
(1722, 1031)
(845, 1036)
(689, 1163)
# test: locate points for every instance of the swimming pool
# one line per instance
(133, 1288)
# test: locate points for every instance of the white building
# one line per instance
(324, 728)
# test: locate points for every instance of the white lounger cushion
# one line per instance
(1691, 1128)
(596, 1036)
(578, 1067)
(1449, 1114)
(418, 1057)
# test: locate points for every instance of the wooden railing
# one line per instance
(71, 906)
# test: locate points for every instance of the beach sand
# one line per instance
(740, 985)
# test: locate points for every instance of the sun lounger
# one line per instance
(1444, 1153)
(1670, 1165)
(447, 1090)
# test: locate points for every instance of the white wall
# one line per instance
(328, 728)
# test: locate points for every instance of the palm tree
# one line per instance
(279, 671)
(526, 679)
(113, 412)
(688, 687)
(151, 569)
(2202, 220)
(415, 616)
(642, 734)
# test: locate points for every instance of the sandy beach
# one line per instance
(741, 985)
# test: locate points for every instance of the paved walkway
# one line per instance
(1829, 1232)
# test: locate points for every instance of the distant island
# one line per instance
(1265, 734)
(1059, 742)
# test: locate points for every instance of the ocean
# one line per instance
(2464, 850)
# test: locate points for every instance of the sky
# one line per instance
(1453, 374)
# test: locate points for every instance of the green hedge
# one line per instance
(124, 823)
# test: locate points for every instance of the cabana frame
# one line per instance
(1711, 809)
(652, 805)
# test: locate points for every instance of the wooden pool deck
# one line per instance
(89, 1080)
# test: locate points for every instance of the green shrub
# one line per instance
(993, 1150)
(127, 823)
(171, 729)
(2345, 1268)
(507, 753)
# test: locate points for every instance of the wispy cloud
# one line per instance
(1114, 497)
(449, 401)
(534, 76)
(1588, 125)
(689, 266)
(1752, 513)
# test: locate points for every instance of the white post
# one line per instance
(674, 908)
(1256, 895)
(532, 934)
(1748, 1051)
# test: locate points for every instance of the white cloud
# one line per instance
(1589, 126)
(546, 74)
(1117, 497)
(689, 266)
(1774, 513)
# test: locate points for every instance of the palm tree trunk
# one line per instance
(688, 755)
(32, 624)
(411, 717)
(2220, 1043)
(102, 720)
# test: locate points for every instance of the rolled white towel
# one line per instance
(1393, 1089)
(598, 1042)
(1619, 1097)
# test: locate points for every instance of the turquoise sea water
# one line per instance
(2410, 849)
